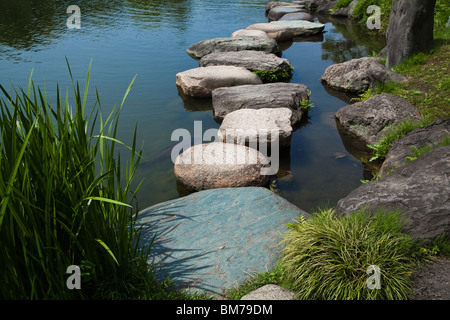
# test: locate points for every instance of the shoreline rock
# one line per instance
(358, 75)
(369, 120)
(420, 190)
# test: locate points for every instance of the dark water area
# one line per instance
(149, 39)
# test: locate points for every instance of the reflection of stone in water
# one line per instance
(328, 119)
(195, 104)
(357, 148)
(347, 97)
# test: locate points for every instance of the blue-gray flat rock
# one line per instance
(212, 240)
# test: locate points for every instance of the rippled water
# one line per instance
(149, 39)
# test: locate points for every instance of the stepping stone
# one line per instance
(277, 12)
(212, 240)
(202, 48)
(297, 16)
(301, 27)
(221, 165)
(248, 126)
(252, 61)
(273, 4)
(249, 33)
(278, 33)
(200, 82)
(270, 95)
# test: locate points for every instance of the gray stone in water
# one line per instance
(221, 165)
(420, 189)
(249, 33)
(297, 16)
(247, 126)
(248, 59)
(202, 48)
(369, 120)
(278, 33)
(277, 12)
(273, 4)
(270, 95)
(200, 82)
(301, 27)
(358, 75)
(212, 240)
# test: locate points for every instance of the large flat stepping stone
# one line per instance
(371, 119)
(202, 48)
(221, 165)
(249, 33)
(272, 4)
(200, 82)
(270, 95)
(279, 11)
(297, 16)
(250, 127)
(276, 32)
(212, 240)
(254, 61)
(301, 28)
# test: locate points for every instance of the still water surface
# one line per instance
(149, 39)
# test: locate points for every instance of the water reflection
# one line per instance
(32, 24)
(359, 41)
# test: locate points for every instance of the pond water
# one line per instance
(124, 38)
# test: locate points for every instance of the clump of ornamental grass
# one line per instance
(334, 257)
(66, 200)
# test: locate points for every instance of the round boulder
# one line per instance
(221, 165)
(250, 127)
